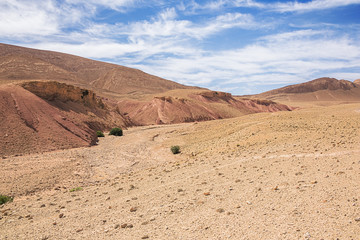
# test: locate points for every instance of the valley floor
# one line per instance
(283, 175)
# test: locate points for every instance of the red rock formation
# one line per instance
(207, 105)
(61, 116)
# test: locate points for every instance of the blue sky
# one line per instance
(238, 46)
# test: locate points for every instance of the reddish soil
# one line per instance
(58, 120)
(194, 106)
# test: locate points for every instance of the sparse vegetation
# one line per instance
(4, 199)
(116, 132)
(100, 134)
(76, 189)
(175, 149)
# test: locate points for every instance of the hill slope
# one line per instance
(19, 63)
(189, 106)
(318, 90)
(45, 116)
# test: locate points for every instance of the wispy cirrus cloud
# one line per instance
(288, 6)
(281, 58)
(294, 6)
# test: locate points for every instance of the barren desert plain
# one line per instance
(283, 164)
(282, 175)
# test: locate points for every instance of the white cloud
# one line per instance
(295, 6)
(277, 59)
(23, 18)
(192, 7)
(166, 25)
(118, 5)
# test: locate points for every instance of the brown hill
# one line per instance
(144, 99)
(357, 81)
(19, 63)
(322, 90)
(44, 116)
(189, 106)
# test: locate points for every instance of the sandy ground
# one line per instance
(284, 175)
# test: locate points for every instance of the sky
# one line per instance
(239, 46)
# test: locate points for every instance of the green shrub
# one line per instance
(100, 134)
(116, 132)
(4, 199)
(76, 189)
(175, 149)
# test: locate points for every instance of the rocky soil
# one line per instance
(283, 175)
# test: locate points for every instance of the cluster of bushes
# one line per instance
(114, 131)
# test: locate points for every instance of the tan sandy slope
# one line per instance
(321, 91)
(283, 175)
(19, 63)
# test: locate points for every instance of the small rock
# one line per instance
(117, 226)
(220, 210)
(54, 223)
(207, 193)
(61, 215)
(129, 226)
(123, 225)
(145, 237)
(357, 219)
(180, 190)
(79, 230)
(276, 188)
(133, 209)
(43, 205)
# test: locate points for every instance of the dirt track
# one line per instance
(266, 176)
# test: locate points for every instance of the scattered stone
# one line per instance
(79, 230)
(124, 225)
(54, 223)
(117, 226)
(357, 219)
(61, 215)
(133, 209)
(220, 210)
(145, 237)
(42, 206)
(207, 193)
(276, 188)
(180, 190)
